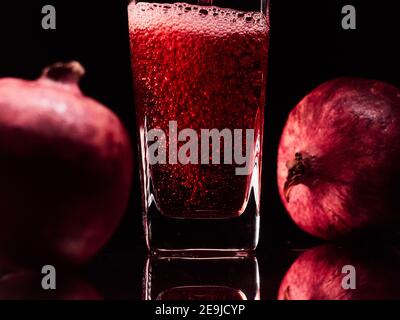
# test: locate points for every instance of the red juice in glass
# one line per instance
(199, 77)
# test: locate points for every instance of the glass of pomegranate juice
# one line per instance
(199, 74)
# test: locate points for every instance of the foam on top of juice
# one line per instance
(193, 18)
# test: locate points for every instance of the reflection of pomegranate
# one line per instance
(317, 275)
(339, 159)
(65, 168)
(26, 285)
(19, 283)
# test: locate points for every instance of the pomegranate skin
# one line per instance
(317, 274)
(339, 160)
(65, 168)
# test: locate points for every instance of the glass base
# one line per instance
(229, 236)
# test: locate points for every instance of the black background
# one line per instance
(308, 46)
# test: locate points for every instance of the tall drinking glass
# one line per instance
(199, 73)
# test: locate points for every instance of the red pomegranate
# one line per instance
(318, 274)
(65, 168)
(339, 159)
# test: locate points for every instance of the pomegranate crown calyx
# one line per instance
(68, 73)
(297, 170)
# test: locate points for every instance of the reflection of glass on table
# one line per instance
(177, 278)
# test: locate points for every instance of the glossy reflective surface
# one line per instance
(317, 273)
